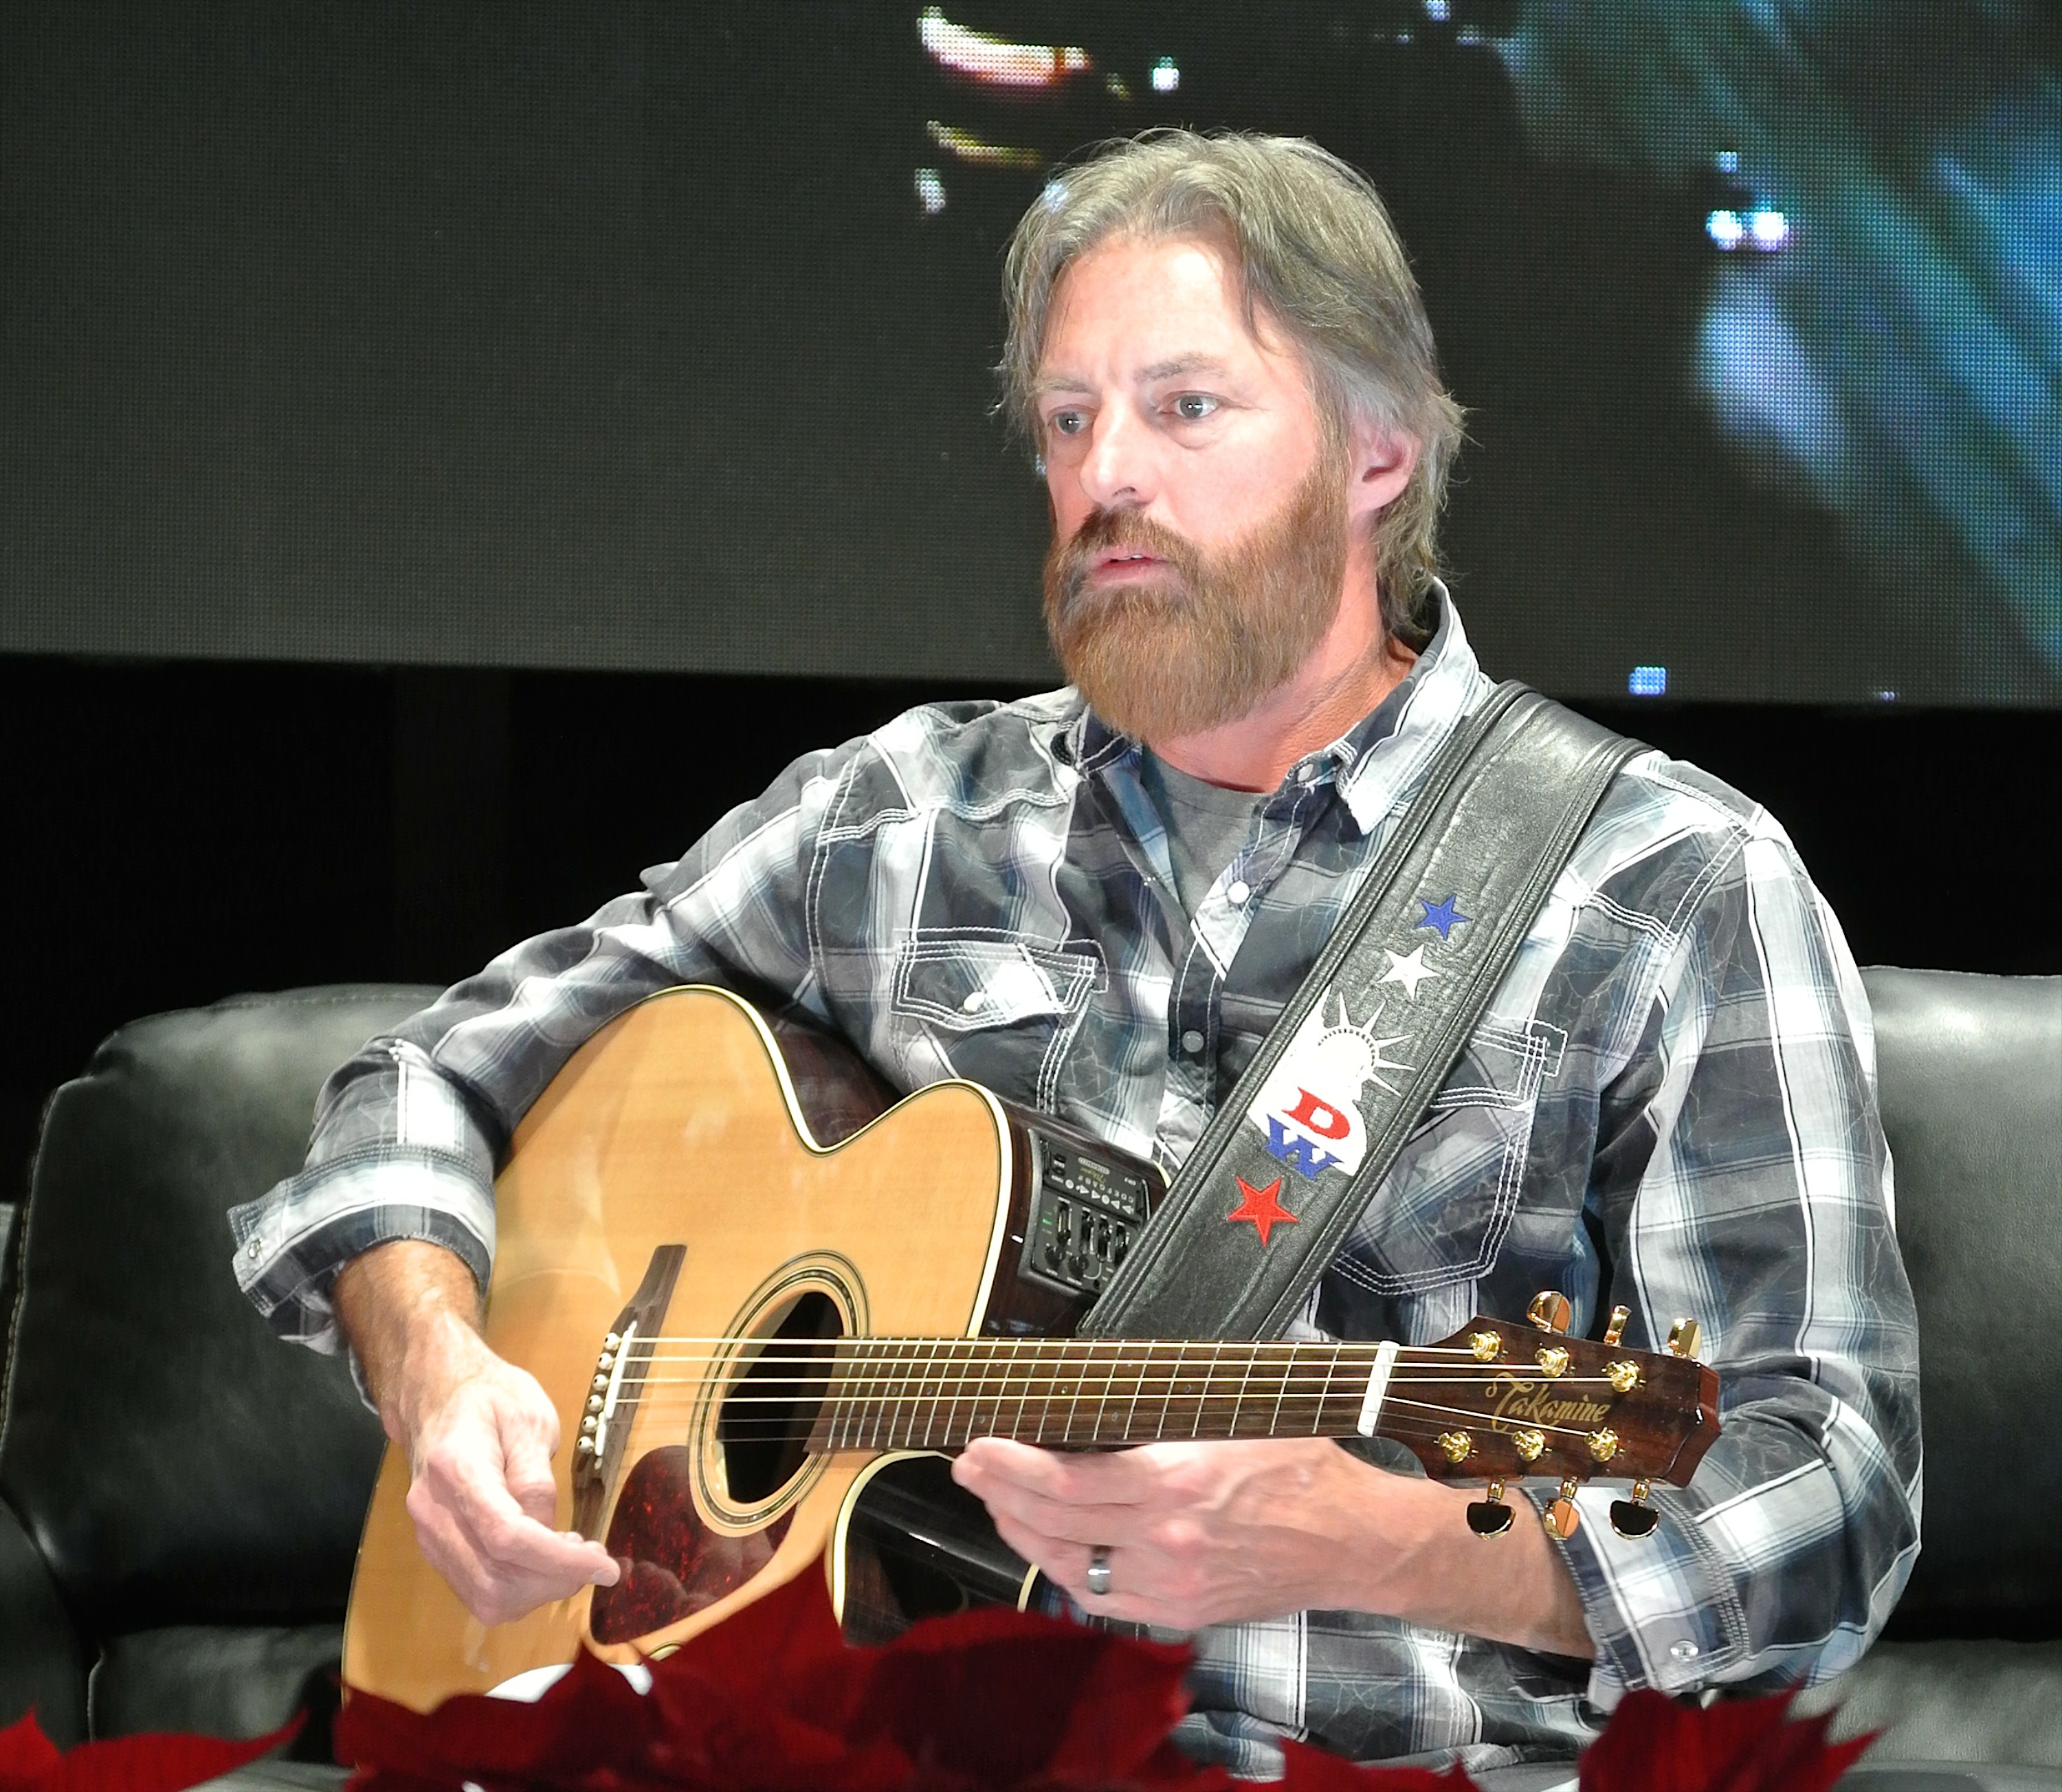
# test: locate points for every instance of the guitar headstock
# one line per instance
(1502, 1401)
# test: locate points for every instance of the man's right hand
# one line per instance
(478, 1432)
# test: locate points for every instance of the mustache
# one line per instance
(1120, 526)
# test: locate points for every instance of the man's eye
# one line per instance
(1193, 407)
(1066, 422)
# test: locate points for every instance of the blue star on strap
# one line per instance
(1441, 915)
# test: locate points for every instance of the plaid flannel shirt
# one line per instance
(1669, 1103)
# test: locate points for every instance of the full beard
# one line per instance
(1204, 642)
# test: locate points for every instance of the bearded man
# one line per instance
(1222, 360)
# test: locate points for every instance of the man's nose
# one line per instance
(1117, 470)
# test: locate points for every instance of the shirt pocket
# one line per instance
(991, 1006)
(1441, 1214)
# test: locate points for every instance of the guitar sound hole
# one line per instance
(764, 1427)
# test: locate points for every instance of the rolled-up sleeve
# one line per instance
(1745, 1182)
(409, 1132)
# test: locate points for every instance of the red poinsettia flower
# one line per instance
(1654, 1745)
(774, 1700)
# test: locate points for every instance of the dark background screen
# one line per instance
(655, 336)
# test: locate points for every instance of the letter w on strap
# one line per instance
(1318, 1119)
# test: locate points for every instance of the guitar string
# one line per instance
(929, 1405)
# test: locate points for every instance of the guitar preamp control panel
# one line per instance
(1085, 1210)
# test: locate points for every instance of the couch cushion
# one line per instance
(1963, 1700)
(1971, 1074)
(173, 1461)
(220, 1679)
(41, 1667)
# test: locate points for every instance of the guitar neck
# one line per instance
(933, 1393)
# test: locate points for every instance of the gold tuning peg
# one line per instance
(1489, 1516)
(1635, 1518)
(1549, 1310)
(1615, 1329)
(1684, 1336)
(1561, 1518)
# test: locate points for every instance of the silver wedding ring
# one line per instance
(1099, 1569)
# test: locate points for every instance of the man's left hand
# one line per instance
(1197, 1534)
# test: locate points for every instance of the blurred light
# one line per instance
(1438, 11)
(1886, 696)
(1771, 230)
(1725, 229)
(970, 148)
(982, 58)
(1116, 87)
(1166, 78)
(1648, 681)
(1054, 196)
(930, 191)
(1728, 161)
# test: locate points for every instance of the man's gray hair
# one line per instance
(1317, 253)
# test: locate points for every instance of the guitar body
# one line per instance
(763, 1299)
(680, 1123)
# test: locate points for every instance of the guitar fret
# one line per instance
(925, 1399)
(1102, 1405)
(1244, 1381)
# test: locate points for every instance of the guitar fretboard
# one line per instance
(931, 1394)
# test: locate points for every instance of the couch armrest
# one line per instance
(41, 1665)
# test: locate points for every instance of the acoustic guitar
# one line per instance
(763, 1299)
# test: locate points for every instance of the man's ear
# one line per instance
(1381, 462)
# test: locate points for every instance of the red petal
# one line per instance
(591, 1723)
(25, 1754)
(1654, 1745)
(156, 1763)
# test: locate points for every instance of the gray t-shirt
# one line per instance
(1206, 825)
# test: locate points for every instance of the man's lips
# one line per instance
(1116, 562)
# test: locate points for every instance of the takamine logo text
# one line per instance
(1513, 1402)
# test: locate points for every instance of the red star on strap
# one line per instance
(1260, 1206)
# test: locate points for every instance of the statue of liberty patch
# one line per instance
(1309, 1108)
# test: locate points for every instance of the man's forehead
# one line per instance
(1168, 307)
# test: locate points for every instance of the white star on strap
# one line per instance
(1409, 971)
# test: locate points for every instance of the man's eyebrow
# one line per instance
(1181, 365)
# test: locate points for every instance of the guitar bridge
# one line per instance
(617, 1386)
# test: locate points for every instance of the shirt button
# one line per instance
(973, 1003)
(1306, 774)
(1684, 1651)
(1236, 895)
(1192, 1041)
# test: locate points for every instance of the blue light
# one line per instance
(1648, 681)
(930, 191)
(1728, 161)
(1167, 76)
(1725, 229)
(1438, 11)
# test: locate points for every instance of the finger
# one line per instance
(491, 1533)
(497, 1582)
(1071, 1521)
(1075, 1479)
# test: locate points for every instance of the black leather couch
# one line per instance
(180, 1496)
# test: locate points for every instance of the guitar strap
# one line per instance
(1318, 1120)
